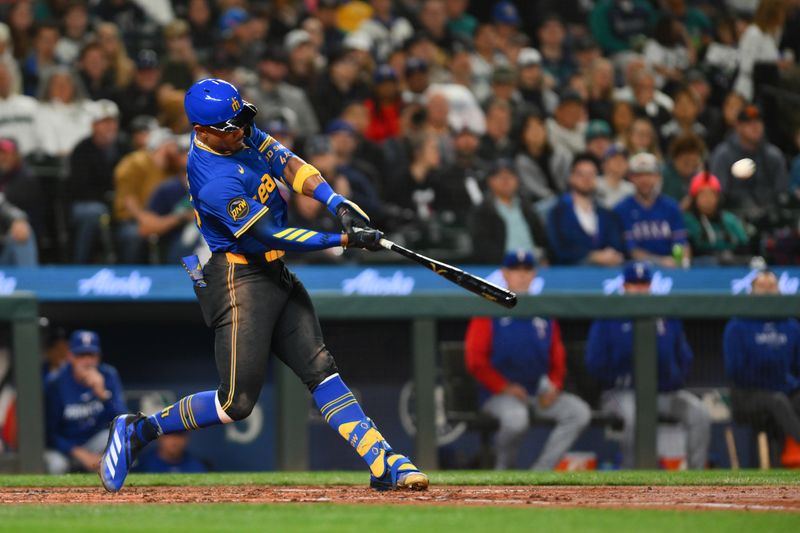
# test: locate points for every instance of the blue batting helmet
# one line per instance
(217, 104)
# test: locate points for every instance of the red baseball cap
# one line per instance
(704, 179)
(8, 145)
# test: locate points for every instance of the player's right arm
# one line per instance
(225, 200)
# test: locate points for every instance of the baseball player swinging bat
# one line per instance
(472, 283)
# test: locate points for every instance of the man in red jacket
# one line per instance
(520, 364)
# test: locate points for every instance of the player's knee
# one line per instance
(320, 367)
(581, 414)
(241, 406)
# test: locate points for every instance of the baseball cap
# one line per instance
(296, 38)
(8, 145)
(503, 74)
(704, 179)
(643, 163)
(159, 137)
(584, 43)
(501, 164)
(528, 57)
(598, 128)
(143, 123)
(638, 272)
(358, 41)
(84, 341)
(103, 109)
(318, 144)
(614, 150)
(519, 258)
(749, 113)
(338, 125)
(275, 54)
(414, 65)
(385, 73)
(146, 59)
(232, 18)
(505, 12)
(570, 95)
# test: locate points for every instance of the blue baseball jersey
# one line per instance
(609, 353)
(655, 229)
(153, 464)
(763, 354)
(74, 414)
(230, 192)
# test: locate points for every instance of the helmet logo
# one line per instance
(238, 209)
(235, 104)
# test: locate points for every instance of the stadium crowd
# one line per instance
(469, 128)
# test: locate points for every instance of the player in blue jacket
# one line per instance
(255, 305)
(652, 222)
(82, 397)
(609, 358)
(762, 359)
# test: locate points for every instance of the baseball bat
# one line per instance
(472, 283)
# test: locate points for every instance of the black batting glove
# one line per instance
(351, 216)
(365, 238)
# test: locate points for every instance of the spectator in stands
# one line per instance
(497, 141)
(386, 29)
(77, 32)
(91, 183)
(303, 57)
(17, 115)
(337, 87)
(567, 126)
(609, 358)
(344, 141)
(542, 166)
(42, 57)
(140, 97)
(462, 183)
(668, 53)
(579, 230)
(684, 162)
(56, 352)
(432, 19)
(417, 189)
(504, 221)
(619, 25)
(417, 74)
(684, 121)
(484, 59)
(531, 84)
(613, 186)
(642, 137)
(136, 176)
(7, 58)
(598, 138)
(754, 196)
(18, 243)
(181, 66)
(171, 457)
(600, 78)
(273, 95)
(652, 223)
(520, 365)
(95, 72)
(384, 106)
(81, 400)
(645, 98)
(714, 235)
(63, 118)
(761, 359)
(558, 64)
(20, 21)
(794, 169)
(121, 65)
(758, 47)
(622, 117)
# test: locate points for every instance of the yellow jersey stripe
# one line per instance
(333, 412)
(307, 236)
(296, 234)
(250, 222)
(207, 149)
(342, 397)
(285, 232)
(183, 416)
(234, 331)
(264, 145)
(191, 412)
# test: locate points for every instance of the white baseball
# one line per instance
(743, 168)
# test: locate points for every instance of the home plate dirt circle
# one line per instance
(753, 498)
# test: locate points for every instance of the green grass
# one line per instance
(313, 518)
(482, 477)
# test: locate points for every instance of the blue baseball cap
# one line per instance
(232, 18)
(385, 73)
(84, 341)
(519, 258)
(638, 272)
(505, 12)
(338, 125)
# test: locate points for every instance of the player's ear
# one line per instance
(197, 128)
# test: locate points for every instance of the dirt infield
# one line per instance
(754, 498)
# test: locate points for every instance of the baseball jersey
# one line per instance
(519, 350)
(654, 229)
(74, 414)
(763, 354)
(609, 353)
(230, 192)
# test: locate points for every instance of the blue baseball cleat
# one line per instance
(401, 474)
(121, 450)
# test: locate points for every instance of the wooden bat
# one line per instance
(472, 283)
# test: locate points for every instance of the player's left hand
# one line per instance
(351, 216)
(365, 238)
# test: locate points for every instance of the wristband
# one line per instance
(325, 195)
(300, 177)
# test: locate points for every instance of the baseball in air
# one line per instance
(743, 168)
